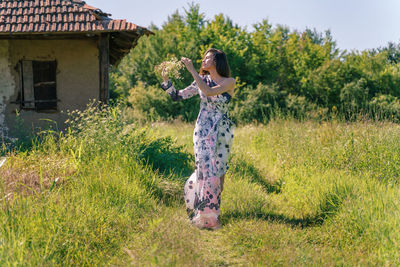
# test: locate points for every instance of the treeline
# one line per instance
(278, 71)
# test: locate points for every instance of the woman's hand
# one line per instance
(188, 64)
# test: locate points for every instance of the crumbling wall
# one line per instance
(7, 85)
(77, 79)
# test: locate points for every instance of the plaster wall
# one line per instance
(77, 77)
(7, 85)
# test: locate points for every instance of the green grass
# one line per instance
(110, 193)
(310, 193)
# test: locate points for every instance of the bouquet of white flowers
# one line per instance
(171, 68)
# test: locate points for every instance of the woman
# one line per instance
(212, 137)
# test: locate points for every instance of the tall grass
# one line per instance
(337, 179)
(108, 191)
(84, 192)
(312, 193)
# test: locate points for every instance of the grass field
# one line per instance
(110, 193)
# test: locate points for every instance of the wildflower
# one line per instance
(170, 68)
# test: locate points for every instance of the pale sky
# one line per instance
(354, 24)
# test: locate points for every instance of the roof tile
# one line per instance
(68, 16)
(65, 15)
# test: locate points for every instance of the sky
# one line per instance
(354, 24)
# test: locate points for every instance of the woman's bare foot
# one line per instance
(206, 224)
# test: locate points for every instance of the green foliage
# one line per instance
(392, 51)
(354, 95)
(299, 107)
(233, 40)
(152, 103)
(178, 37)
(304, 68)
(257, 104)
(386, 107)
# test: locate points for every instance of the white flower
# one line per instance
(170, 68)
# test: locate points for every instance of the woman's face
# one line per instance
(208, 61)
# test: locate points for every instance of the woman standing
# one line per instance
(212, 137)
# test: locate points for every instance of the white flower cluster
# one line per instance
(171, 68)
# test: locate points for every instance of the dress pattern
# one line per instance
(212, 141)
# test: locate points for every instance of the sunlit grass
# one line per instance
(295, 194)
(333, 185)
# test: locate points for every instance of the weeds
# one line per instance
(107, 191)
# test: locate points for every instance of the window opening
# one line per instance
(39, 90)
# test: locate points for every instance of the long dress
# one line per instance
(212, 141)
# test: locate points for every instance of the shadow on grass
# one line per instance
(328, 207)
(242, 168)
(168, 186)
(273, 217)
(22, 140)
(162, 154)
(182, 170)
(169, 193)
(18, 145)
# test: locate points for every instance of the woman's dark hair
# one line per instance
(221, 63)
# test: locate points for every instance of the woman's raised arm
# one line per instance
(177, 95)
(226, 85)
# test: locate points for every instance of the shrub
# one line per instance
(385, 107)
(257, 104)
(354, 97)
(299, 107)
(152, 103)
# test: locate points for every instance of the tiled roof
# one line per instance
(49, 16)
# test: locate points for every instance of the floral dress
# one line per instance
(212, 141)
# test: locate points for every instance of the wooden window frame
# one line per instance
(34, 85)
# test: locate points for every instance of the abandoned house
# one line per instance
(55, 56)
